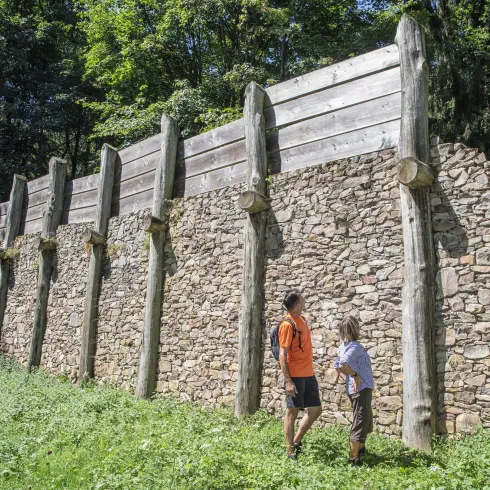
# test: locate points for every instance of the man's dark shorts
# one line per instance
(307, 394)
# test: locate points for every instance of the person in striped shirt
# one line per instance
(353, 361)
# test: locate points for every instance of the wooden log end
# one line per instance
(152, 224)
(43, 243)
(253, 202)
(91, 237)
(413, 173)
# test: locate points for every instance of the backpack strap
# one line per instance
(295, 331)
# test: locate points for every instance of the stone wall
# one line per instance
(335, 232)
(461, 221)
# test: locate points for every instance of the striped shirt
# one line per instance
(354, 355)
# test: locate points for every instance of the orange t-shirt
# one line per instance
(300, 362)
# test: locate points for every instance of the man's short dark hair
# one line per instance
(291, 298)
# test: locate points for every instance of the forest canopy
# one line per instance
(76, 74)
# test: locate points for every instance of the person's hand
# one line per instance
(291, 388)
(357, 382)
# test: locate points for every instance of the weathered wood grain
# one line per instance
(418, 314)
(247, 397)
(164, 179)
(210, 140)
(333, 99)
(96, 237)
(38, 184)
(357, 67)
(4, 206)
(51, 220)
(11, 230)
(365, 140)
(82, 215)
(140, 149)
(383, 109)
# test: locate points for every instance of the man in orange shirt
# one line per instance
(296, 360)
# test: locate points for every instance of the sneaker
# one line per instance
(355, 461)
(292, 456)
(298, 448)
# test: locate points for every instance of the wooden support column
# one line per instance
(164, 181)
(51, 219)
(250, 328)
(419, 367)
(96, 238)
(13, 223)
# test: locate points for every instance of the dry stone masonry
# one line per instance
(334, 230)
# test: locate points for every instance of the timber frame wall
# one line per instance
(351, 108)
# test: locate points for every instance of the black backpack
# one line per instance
(274, 336)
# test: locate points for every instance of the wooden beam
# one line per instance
(253, 202)
(164, 180)
(152, 224)
(97, 238)
(92, 237)
(52, 217)
(419, 380)
(14, 213)
(250, 326)
(413, 173)
(45, 244)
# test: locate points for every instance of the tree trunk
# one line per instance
(251, 316)
(51, 219)
(164, 181)
(13, 223)
(96, 238)
(419, 389)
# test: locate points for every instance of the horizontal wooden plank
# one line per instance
(132, 203)
(2, 234)
(209, 140)
(140, 149)
(3, 221)
(82, 215)
(136, 167)
(342, 72)
(81, 200)
(345, 120)
(38, 184)
(82, 184)
(36, 198)
(358, 142)
(4, 206)
(333, 99)
(33, 213)
(31, 227)
(212, 160)
(210, 181)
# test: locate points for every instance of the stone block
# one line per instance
(390, 403)
(479, 351)
(468, 422)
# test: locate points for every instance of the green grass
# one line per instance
(55, 436)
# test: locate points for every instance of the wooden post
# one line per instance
(164, 180)
(419, 388)
(96, 238)
(250, 328)
(13, 223)
(51, 219)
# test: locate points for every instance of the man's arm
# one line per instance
(283, 361)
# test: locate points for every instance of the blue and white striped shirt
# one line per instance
(354, 355)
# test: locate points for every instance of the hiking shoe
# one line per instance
(355, 461)
(292, 456)
(298, 448)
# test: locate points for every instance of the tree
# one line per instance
(40, 83)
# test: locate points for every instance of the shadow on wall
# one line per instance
(455, 196)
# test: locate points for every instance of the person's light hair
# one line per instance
(349, 329)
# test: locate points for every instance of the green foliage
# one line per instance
(53, 435)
